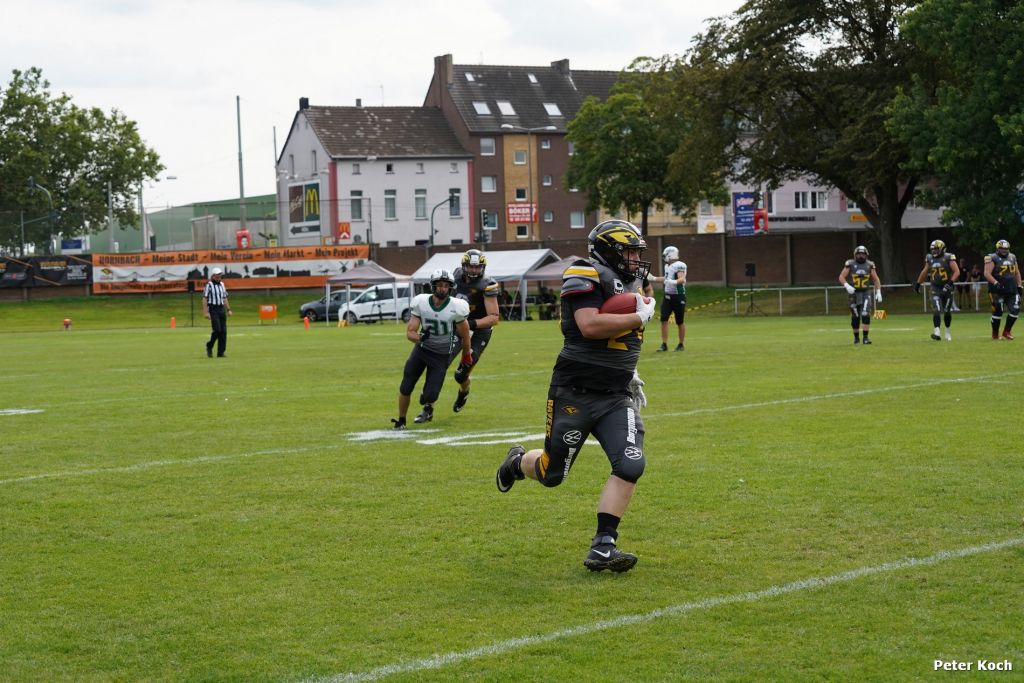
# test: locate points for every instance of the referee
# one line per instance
(216, 309)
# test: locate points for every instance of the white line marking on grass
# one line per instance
(156, 463)
(19, 411)
(841, 394)
(504, 646)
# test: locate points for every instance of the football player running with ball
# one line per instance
(436, 320)
(595, 388)
(857, 277)
(481, 293)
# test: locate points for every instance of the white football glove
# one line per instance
(849, 288)
(878, 295)
(636, 388)
(643, 309)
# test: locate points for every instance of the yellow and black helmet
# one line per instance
(1003, 245)
(937, 247)
(474, 258)
(608, 242)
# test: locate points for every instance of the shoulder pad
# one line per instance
(952, 257)
(988, 258)
(577, 285)
(461, 306)
(850, 263)
(490, 287)
(581, 269)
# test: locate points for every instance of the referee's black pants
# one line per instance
(219, 323)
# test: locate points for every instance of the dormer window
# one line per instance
(481, 108)
(469, 77)
(533, 79)
(505, 107)
(552, 109)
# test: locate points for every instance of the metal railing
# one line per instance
(832, 300)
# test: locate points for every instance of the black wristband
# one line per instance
(472, 324)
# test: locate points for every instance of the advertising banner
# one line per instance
(521, 212)
(15, 272)
(265, 268)
(304, 208)
(45, 271)
(743, 205)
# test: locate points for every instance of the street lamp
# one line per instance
(149, 241)
(449, 202)
(33, 185)
(529, 163)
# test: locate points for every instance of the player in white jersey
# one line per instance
(674, 302)
(437, 324)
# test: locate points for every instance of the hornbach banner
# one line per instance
(44, 271)
(269, 268)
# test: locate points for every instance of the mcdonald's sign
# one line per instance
(304, 207)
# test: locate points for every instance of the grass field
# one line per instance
(811, 510)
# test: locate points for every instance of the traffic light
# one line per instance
(451, 203)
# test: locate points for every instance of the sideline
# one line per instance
(505, 646)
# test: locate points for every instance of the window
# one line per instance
(455, 201)
(809, 201)
(705, 208)
(389, 168)
(356, 204)
(552, 109)
(312, 157)
(852, 207)
(522, 232)
(355, 169)
(547, 181)
(576, 219)
(545, 143)
(505, 107)
(520, 194)
(767, 201)
(392, 243)
(487, 147)
(519, 157)
(490, 220)
(533, 79)
(549, 216)
(421, 203)
(489, 183)
(572, 147)
(419, 167)
(481, 108)
(291, 164)
(390, 205)
(453, 167)
(469, 77)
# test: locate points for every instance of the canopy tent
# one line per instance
(503, 266)
(368, 273)
(551, 271)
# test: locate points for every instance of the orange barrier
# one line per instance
(268, 312)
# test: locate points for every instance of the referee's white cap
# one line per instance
(216, 271)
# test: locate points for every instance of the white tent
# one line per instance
(551, 271)
(503, 266)
(368, 273)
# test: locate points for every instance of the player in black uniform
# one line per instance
(942, 271)
(481, 293)
(1003, 278)
(595, 388)
(857, 276)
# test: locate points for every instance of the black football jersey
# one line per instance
(939, 270)
(474, 292)
(859, 274)
(1004, 269)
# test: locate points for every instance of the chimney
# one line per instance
(303, 103)
(443, 69)
(359, 102)
(561, 66)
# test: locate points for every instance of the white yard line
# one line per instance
(815, 582)
(19, 411)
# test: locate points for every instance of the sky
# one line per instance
(176, 67)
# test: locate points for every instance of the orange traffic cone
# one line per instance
(174, 323)
(67, 324)
(305, 321)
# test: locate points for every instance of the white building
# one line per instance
(348, 175)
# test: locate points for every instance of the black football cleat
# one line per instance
(427, 415)
(663, 347)
(399, 424)
(679, 347)
(510, 472)
(460, 401)
(604, 555)
(866, 340)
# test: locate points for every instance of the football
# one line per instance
(621, 303)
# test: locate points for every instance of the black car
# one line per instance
(317, 310)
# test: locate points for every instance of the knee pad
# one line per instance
(629, 469)
(1014, 310)
(855, 322)
(865, 320)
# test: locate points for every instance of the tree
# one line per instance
(964, 121)
(74, 153)
(623, 147)
(791, 89)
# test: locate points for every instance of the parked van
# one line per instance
(379, 303)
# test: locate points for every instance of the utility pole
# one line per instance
(241, 182)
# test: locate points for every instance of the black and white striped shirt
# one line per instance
(216, 294)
